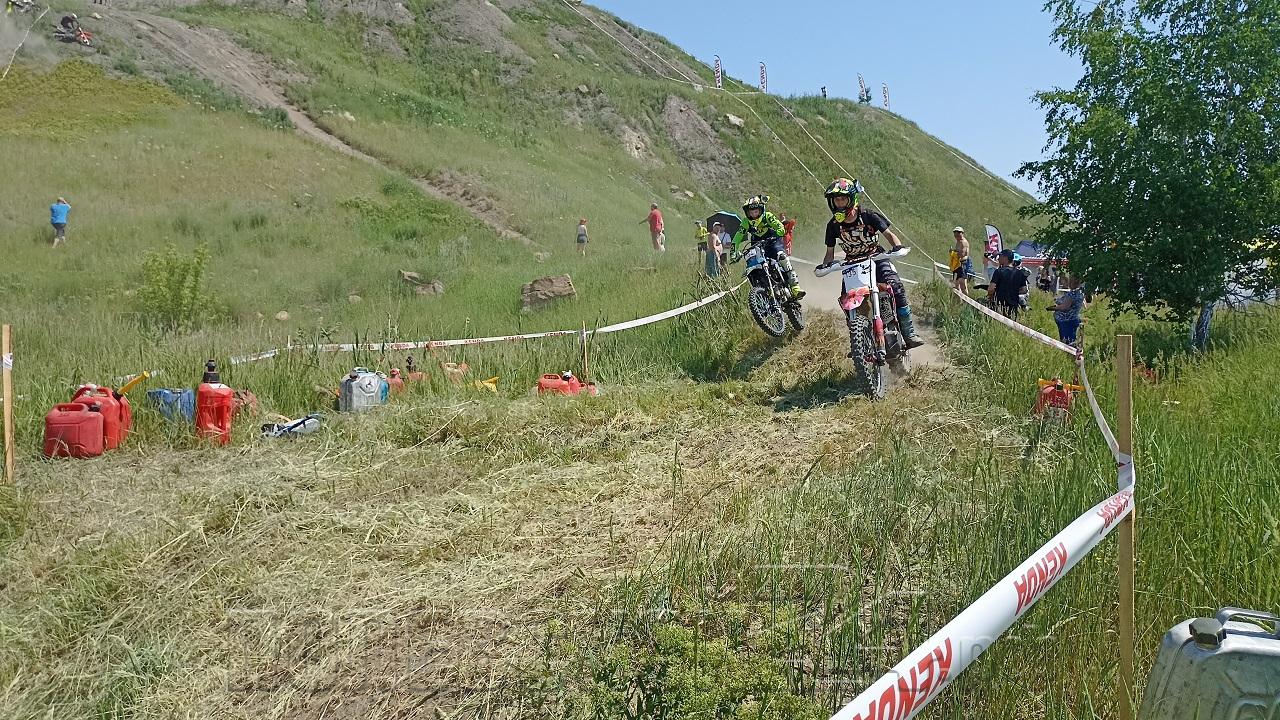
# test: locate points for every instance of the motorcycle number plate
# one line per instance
(754, 260)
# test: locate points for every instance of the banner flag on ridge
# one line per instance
(885, 87)
(764, 80)
(719, 75)
(995, 243)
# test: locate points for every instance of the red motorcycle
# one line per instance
(76, 35)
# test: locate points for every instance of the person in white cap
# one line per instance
(961, 262)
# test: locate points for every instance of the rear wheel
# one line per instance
(870, 375)
(767, 313)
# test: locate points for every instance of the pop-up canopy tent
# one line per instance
(1034, 255)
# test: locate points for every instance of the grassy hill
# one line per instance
(728, 530)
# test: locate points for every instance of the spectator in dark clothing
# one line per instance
(1008, 286)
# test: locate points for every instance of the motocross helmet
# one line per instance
(755, 202)
(842, 187)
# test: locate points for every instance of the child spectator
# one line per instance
(582, 236)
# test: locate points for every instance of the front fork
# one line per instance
(877, 322)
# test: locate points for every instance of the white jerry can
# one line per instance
(1221, 668)
(361, 390)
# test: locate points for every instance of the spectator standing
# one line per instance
(582, 236)
(700, 234)
(58, 213)
(711, 258)
(989, 258)
(656, 228)
(961, 262)
(1007, 287)
(725, 243)
(1026, 273)
(1066, 311)
(788, 224)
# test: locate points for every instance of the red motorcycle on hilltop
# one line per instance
(76, 34)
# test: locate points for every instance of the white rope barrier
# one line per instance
(432, 344)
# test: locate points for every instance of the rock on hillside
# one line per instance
(698, 146)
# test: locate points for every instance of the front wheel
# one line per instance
(767, 313)
(795, 314)
(870, 374)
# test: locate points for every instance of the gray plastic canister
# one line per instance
(1221, 668)
(361, 390)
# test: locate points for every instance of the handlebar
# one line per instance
(828, 268)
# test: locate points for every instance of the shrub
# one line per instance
(172, 294)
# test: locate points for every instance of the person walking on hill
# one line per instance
(1008, 286)
(582, 236)
(654, 218)
(961, 262)
(788, 224)
(58, 213)
(1066, 311)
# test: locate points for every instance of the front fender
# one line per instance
(853, 299)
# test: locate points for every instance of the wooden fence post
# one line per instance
(6, 359)
(1125, 551)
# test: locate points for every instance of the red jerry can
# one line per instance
(113, 417)
(74, 430)
(126, 418)
(552, 383)
(215, 405)
(413, 373)
(395, 382)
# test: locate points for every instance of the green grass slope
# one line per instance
(727, 532)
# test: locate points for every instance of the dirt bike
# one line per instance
(78, 35)
(770, 300)
(876, 345)
(19, 6)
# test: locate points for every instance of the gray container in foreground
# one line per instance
(1222, 668)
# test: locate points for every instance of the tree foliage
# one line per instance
(1163, 183)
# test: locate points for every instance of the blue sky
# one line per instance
(964, 72)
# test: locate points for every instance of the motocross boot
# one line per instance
(789, 275)
(908, 328)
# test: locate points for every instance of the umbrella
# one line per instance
(730, 221)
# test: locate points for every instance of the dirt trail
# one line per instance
(216, 56)
(822, 294)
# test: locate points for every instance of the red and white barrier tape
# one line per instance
(915, 681)
(1017, 326)
(419, 345)
(1098, 417)
(905, 690)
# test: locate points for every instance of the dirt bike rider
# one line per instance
(70, 23)
(763, 227)
(856, 230)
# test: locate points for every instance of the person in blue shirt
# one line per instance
(58, 213)
(1066, 311)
